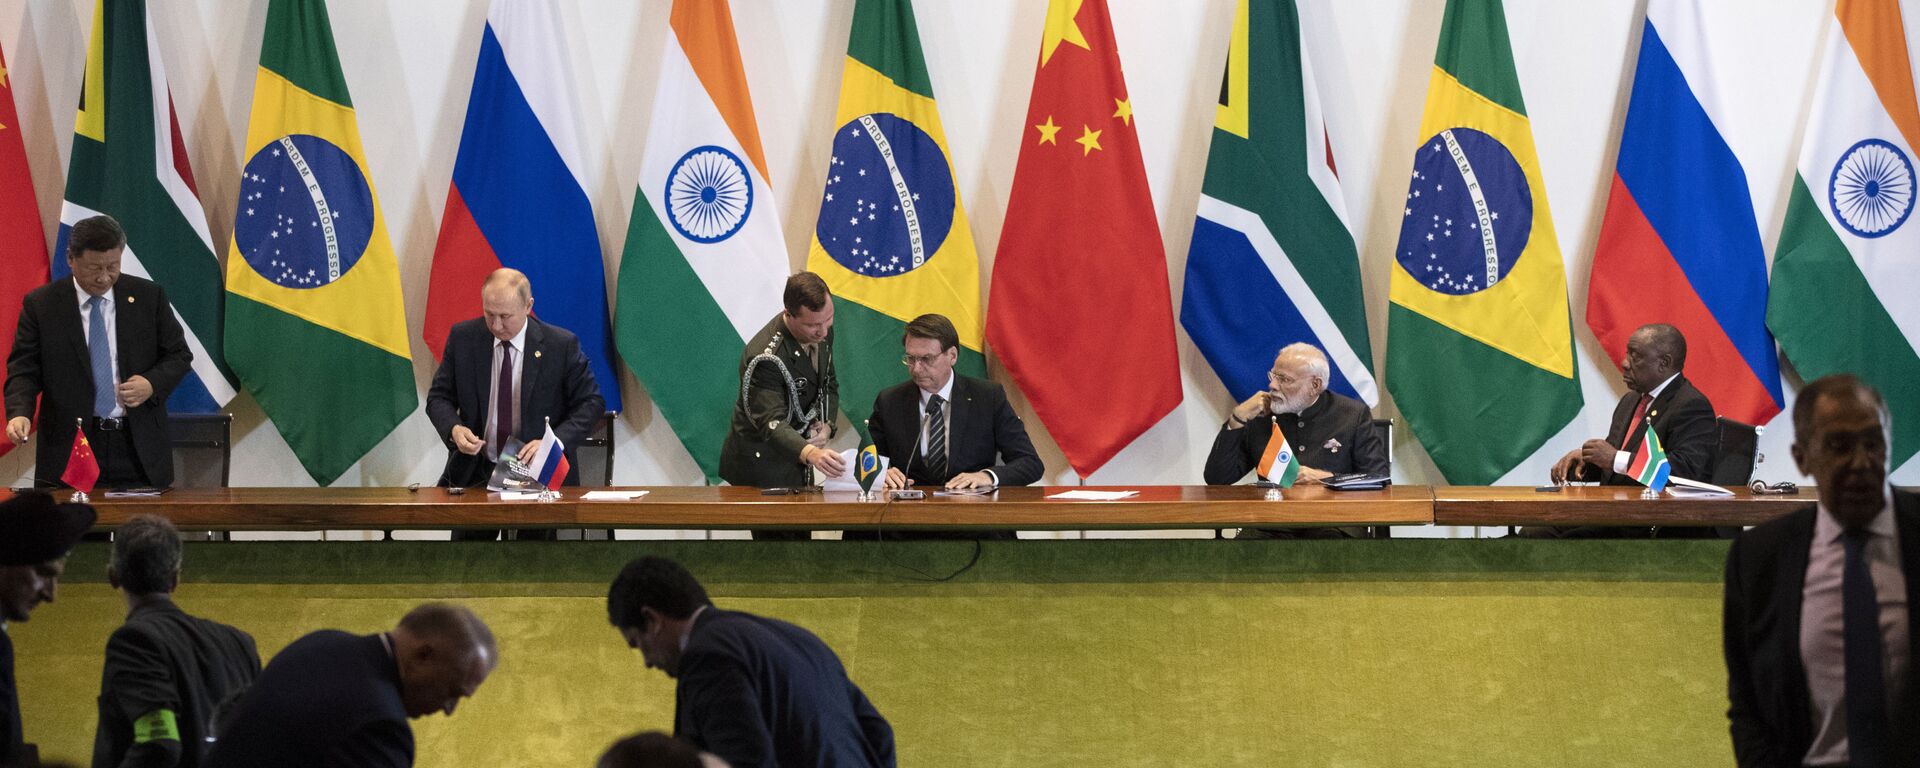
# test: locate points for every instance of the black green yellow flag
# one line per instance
(892, 240)
(316, 330)
(1479, 341)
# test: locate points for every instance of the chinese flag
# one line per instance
(82, 471)
(23, 245)
(1079, 311)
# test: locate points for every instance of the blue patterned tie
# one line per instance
(102, 354)
(1866, 686)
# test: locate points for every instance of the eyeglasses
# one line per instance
(1279, 379)
(926, 361)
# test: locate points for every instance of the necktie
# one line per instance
(936, 439)
(1630, 439)
(1866, 687)
(101, 354)
(503, 401)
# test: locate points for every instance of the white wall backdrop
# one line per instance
(410, 65)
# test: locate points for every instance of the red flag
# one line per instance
(1079, 311)
(23, 244)
(82, 471)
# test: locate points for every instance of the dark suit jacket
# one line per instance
(12, 746)
(163, 658)
(50, 362)
(1769, 704)
(1334, 434)
(555, 383)
(762, 693)
(329, 699)
(763, 445)
(983, 432)
(1682, 417)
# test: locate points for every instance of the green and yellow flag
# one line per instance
(1479, 341)
(892, 240)
(316, 329)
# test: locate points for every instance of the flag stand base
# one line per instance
(79, 497)
(549, 495)
(1649, 493)
(1274, 494)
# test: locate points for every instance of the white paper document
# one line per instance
(612, 495)
(519, 495)
(847, 481)
(1681, 487)
(1093, 495)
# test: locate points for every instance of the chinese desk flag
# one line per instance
(82, 470)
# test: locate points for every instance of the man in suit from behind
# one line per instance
(757, 692)
(336, 699)
(505, 376)
(1820, 634)
(166, 671)
(1656, 391)
(102, 349)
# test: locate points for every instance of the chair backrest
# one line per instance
(202, 449)
(1384, 428)
(599, 444)
(1733, 453)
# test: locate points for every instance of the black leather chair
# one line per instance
(1734, 451)
(599, 443)
(202, 449)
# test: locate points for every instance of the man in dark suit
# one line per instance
(103, 349)
(1821, 638)
(758, 692)
(166, 672)
(784, 414)
(35, 535)
(1656, 390)
(335, 699)
(505, 376)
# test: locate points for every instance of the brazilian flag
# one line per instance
(316, 330)
(892, 241)
(1479, 341)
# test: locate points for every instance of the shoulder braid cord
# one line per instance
(793, 390)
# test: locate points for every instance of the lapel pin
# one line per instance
(536, 353)
(129, 299)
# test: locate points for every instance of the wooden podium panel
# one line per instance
(1605, 505)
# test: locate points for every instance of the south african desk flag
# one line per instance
(1276, 463)
(1649, 465)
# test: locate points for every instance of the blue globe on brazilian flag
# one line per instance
(892, 240)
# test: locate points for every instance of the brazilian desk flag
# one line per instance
(315, 326)
(892, 240)
(1479, 342)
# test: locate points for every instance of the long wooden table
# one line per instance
(727, 507)
(282, 509)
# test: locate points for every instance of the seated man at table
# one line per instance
(505, 376)
(1332, 434)
(1656, 393)
(946, 429)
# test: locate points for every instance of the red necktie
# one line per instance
(503, 401)
(1629, 438)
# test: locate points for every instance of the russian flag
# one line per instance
(518, 197)
(550, 465)
(1680, 243)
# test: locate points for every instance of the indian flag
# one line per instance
(1277, 464)
(704, 262)
(316, 330)
(130, 162)
(892, 238)
(1843, 277)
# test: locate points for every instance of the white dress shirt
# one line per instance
(1621, 459)
(113, 342)
(519, 344)
(1823, 626)
(946, 415)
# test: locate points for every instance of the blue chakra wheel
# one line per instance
(709, 194)
(1871, 191)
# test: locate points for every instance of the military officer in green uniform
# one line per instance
(784, 414)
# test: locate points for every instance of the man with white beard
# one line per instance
(1331, 434)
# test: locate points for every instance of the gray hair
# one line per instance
(146, 554)
(455, 624)
(509, 277)
(1311, 357)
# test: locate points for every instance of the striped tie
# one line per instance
(936, 439)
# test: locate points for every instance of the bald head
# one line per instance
(1655, 352)
(444, 652)
(506, 299)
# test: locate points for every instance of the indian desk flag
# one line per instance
(1842, 295)
(1649, 464)
(1272, 261)
(1277, 464)
(892, 238)
(704, 263)
(1479, 343)
(315, 326)
(130, 162)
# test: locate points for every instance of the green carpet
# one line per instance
(1046, 653)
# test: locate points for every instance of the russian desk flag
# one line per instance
(1679, 243)
(550, 462)
(518, 197)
